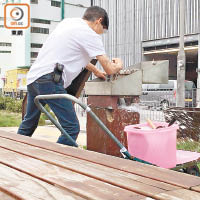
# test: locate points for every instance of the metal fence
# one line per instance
(13, 93)
(151, 105)
(163, 98)
(79, 110)
(153, 102)
(146, 111)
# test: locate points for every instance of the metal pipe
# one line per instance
(41, 107)
(62, 9)
(123, 150)
(180, 100)
(198, 76)
(182, 24)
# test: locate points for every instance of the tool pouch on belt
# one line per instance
(57, 74)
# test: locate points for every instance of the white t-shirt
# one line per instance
(73, 43)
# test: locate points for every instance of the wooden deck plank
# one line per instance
(76, 183)
(24, 186)
(115, 177)
(181, 194)
(155, 173)
(197, 188)
(5, 196)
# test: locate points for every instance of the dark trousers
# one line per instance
(63, 109)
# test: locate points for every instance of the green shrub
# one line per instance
(10, 104)
(14, 106)
(3, 103)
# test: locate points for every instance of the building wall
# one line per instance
(15, 80)
(17, 54)
(44, 10)
(135, 21)
(21, 45)
(76, 8)
(161, 18)
(125, 32)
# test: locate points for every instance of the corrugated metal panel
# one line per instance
(134, 21)
(161, 19)
(125, 33)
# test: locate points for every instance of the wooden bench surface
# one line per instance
(35, 169)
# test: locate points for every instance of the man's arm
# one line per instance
(110, 67)
(96, 71)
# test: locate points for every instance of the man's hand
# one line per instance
(97, 72)
(110, 67)
(100, 74)
(118, 61)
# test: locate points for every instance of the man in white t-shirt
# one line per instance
(73, 44)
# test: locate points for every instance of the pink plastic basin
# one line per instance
(157, 146)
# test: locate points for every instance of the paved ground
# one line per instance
(51, 133)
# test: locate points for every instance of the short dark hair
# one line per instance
(95, 12)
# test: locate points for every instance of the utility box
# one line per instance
(114, 118)
(129, 81)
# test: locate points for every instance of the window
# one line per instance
(35, 45)
(39, 30)
(5, 51)
(34, 54)
(168, 46)
(1, 26)
(42, 21)
(1, 18)
(5, 44)
(34, 1)
(55, 3)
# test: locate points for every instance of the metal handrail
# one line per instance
(123, 150)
